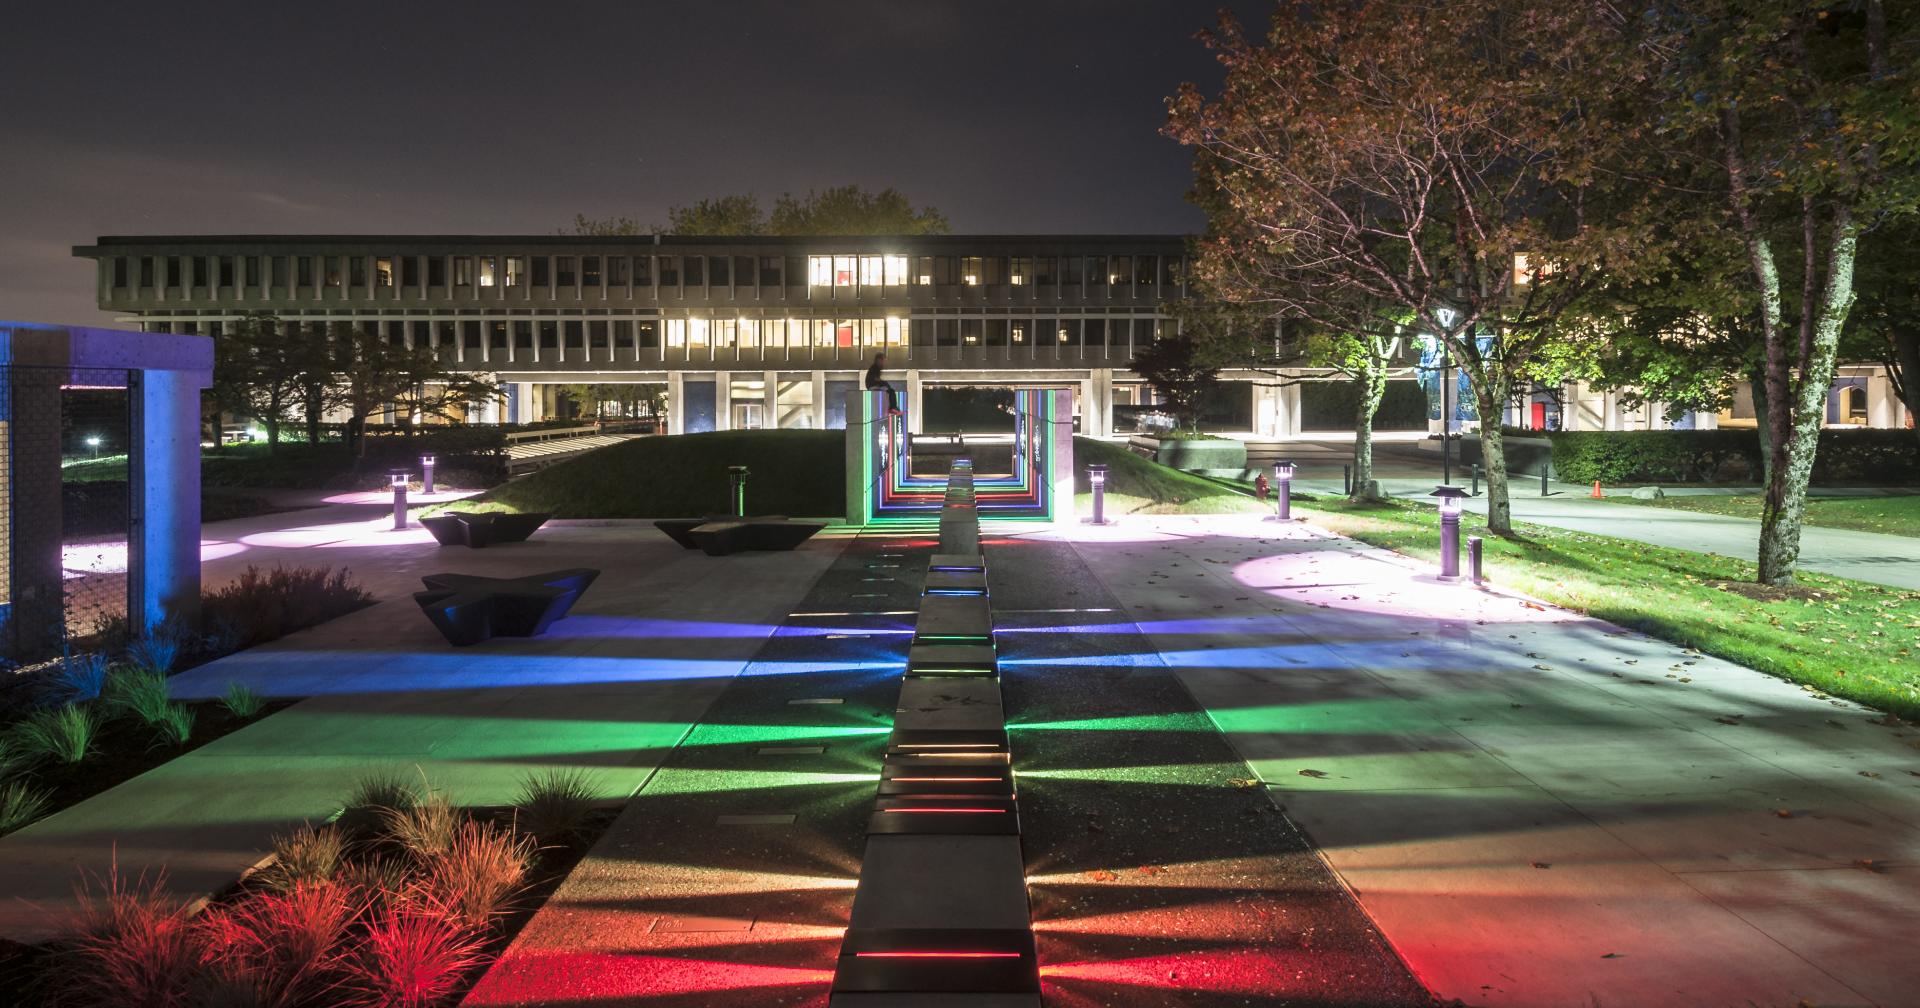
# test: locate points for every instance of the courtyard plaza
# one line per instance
(1524, 805)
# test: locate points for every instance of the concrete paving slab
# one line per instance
(941, 882)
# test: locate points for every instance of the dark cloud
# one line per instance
(1039, 115)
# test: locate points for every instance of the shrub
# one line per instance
(1888, 457)
(555, 805)
(20, 805)
(62, 734)
(482, 869)
(241, 701)
(79, 678)
(175, 724)
(411, 960)
(277, 948)
(263, 606)
(135, 947)
(306, 856)
(142, 693)
(426, 830)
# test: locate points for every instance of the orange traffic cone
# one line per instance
(1596, 490)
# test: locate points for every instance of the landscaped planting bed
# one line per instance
(402, 899)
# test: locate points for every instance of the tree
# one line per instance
(1806, 110)
(1885, 323)
(370, 373)
(842, 210)
(1173, 365)
(263, 369)
(1441, 159)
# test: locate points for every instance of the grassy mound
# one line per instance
(791, 472)
(1141, 485)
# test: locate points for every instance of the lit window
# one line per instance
(897, 271)
(516, 271)
(774, 333)
(1021, 266)
(1019, 333)
(749, 333)
(1062, 333)
(697, 332)
(1521, 274)
(870, 274)
(896, 329)
(843, 271)
(970, 270)
(820, 271)
(725, 331)
(462, 271)
(676, 333)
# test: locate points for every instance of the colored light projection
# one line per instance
(888, 492)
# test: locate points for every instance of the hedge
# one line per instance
(1881, 457)
(1330, 405)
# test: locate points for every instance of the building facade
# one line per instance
(772, 331)
(754, 332)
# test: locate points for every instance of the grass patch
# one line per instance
(1889, 515)
(1138, 485)
(1846, 638)
(791, 472)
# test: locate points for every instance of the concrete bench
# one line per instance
(481, 529)
(731, 535)
(468, 608)
(680, 529)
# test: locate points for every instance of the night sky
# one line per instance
(474, 118)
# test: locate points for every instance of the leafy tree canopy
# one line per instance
(841, 210)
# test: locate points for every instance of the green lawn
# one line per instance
(1137, 485)
(791, 472)
(1892, 515)
(1841, 637)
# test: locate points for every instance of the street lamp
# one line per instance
(426, 474)
(1450, 498)
(1097, 476)
(737, 478)
(1283, 491)
(399, 480)
(93, 442)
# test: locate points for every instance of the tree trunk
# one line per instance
(1373, 388)
(1796, 420)
(1904, 367)
(1493, 458)
(272, 423)
(312, 408)
(1762, 416)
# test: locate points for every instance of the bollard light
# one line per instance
(737, 476)
(1097, 476)
(426, 474)
(399, 480)
(1283, 491)
(1450, 499)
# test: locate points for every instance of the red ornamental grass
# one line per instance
(280, 948)
(411, 959)
(135, 946)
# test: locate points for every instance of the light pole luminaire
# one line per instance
(426, 474)
(399, 479)
(1097, 479)
(1283, 491)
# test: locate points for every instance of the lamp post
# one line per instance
(1450, 498)
(737, 481)
(1097, 476)
(1282, 491)
(399, 479)
(426, 474)
(93, 442)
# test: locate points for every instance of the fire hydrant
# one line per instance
(1261, 487)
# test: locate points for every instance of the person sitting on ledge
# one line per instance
(874, 381)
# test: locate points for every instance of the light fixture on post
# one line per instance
(737, 480)
(93, 442)
(1097, 477)
(399, 480)
(1450, 499)
(426, 474)
(1282, 491)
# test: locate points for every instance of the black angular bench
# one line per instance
(468, 608)
(724, 536)
(476, 529)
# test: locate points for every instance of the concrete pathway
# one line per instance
(612, 689)
(1537, 808)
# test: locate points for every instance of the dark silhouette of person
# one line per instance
(874, 381)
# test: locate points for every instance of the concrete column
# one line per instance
(1102, 402)
(32, 611)
(1703, 420)
(163, 542)
(676, 402)
(819, 379)
(722, 401)
(771, 407)
(523, 402)
(916, 424)
(1286, 411)
(1883, 407)
(1083, 401)
(1060, 471)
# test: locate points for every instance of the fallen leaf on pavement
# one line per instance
(1313, 773)
(1243, 783)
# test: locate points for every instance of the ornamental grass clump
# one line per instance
(426, 830)
(175, 724)
(242, 701)
(79, 678)
(307, 856)
(278, 948)
(139, 693)
(20, 805)
(555, 805)
(59, 735)
(411, 959)
(135, 946)
(157, 652)
(481, 871)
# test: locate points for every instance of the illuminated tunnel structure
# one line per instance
(1037, 486)
(941, 915)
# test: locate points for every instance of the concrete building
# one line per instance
(770, 332)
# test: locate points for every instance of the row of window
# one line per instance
(368, 273)
(702, 334)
